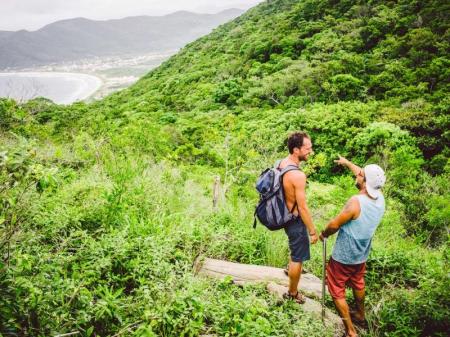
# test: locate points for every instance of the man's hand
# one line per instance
(347, 163)
(341, 161)
(313, 238)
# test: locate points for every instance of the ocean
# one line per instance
(60, 87)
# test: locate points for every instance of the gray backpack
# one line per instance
(272, 211)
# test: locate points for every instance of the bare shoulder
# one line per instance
(296, 177)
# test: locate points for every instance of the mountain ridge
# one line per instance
(79, 38)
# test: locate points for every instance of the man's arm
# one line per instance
(300, 197)
(345, 162)
(351, 211)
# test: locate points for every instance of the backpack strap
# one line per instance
(288, 168)
(293, 207)
(278, 162)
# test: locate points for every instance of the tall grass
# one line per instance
(108, 243)
(111, 249)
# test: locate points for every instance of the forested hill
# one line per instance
(286, 55)
(106, 206)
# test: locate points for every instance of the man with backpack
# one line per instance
(282, 204)
(294, 186)
(356, 224)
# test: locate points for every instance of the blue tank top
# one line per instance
(355, 237)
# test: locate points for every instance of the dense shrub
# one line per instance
(7, 107)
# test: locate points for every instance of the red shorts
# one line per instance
(340, 275)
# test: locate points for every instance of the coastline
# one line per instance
(82, 85)
(114, 72)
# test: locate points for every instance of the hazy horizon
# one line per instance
(32, 15)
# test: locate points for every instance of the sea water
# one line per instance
(60, 87)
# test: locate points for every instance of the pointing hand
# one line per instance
(341, 161)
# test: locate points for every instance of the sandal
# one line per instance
(299, 298)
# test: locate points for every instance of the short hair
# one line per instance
(295, 140)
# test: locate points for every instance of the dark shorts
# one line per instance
(340, 275)
(298, 240)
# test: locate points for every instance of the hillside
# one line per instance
(80, 38)
(300, 55)
(107, 206)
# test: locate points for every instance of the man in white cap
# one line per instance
(356, 224)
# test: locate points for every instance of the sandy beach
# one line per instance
(60, 87)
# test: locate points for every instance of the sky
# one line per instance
(34, 14)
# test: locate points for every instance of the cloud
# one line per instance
(33, 14)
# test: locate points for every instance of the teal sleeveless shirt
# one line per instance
(355, 237)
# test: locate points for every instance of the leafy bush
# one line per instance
(7, 107)
(416, 312)
(228, 92)
(345, 87)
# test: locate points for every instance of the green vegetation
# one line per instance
(106, 206)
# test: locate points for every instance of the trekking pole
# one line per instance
(323, 277)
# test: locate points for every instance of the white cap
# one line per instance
(375, 180)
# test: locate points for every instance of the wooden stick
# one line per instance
(324, 270)
(216, 192)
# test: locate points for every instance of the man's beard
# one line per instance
(301, 158)
(358, 186)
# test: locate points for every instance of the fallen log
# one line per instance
(246, 273)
